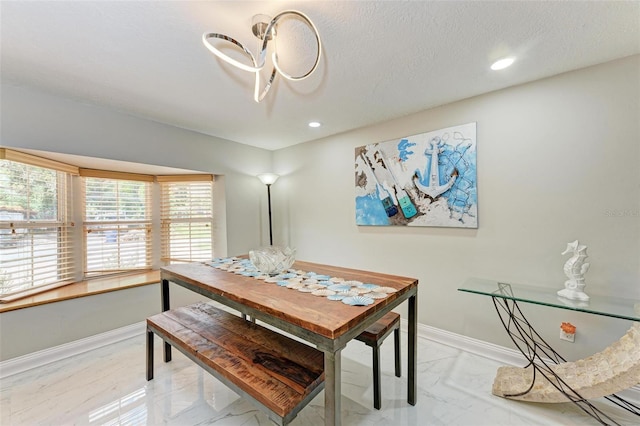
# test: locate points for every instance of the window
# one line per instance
(117, 221)
(186, 218)
(130, 222)
(36, 229)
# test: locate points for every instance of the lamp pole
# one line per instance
(269, 203)
(269, 179)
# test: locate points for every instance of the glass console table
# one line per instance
(548, 377)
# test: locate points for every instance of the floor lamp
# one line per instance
(269, 179)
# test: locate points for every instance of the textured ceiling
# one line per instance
(381, 59)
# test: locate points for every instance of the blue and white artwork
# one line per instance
(427, 179)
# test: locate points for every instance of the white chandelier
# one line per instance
(265, 32)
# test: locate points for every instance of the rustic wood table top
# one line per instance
(319, 315)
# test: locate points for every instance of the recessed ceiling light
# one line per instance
(502, 64)
(314, 124)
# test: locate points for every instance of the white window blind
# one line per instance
(117, 222)
(36, 232)
(186, 218)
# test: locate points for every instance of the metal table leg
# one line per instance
(537, 352)
(164, 290)
(332, 388)
(412, 355)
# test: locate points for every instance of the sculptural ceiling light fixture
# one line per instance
(265, 32)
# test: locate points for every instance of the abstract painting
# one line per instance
(427, 179)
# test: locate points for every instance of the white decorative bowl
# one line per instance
(272, 260)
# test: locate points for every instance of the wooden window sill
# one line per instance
(84, 288)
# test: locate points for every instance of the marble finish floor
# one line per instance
(107, 386)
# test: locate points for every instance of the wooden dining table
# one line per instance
(328, 325)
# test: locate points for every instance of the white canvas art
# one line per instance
(427, 179)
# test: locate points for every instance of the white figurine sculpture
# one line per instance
(575, 268)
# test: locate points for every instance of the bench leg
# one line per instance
(396, 338)
(167, 352)
(248, 318)
(376, 377)
(149, 355)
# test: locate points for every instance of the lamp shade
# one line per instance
(268, 178)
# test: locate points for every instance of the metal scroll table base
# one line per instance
(548, 377)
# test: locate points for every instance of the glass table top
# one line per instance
(600, 305)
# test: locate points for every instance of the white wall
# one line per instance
(35, 120)
(555, 159)
(558, 160)
(29, 330)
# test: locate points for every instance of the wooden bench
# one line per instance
(278, 374)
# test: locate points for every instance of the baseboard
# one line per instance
(488, 350)
(36, 359)
(471, 345)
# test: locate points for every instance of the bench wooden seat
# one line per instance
(278, 374)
